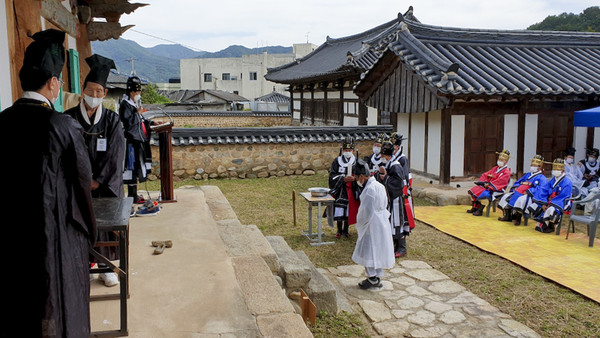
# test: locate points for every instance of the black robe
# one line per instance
(46, 182)
(337, 186)
(137, 149)
(107, 166)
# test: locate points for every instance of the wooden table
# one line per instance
(319, 202)
(112, 215)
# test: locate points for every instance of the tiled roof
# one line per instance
(202, 136)
(335, 58)
(189, 95)
(458, 61)
(155, 113)
(274, 97)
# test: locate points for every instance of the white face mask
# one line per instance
(500, 163)
(137, 98)
(376, 150)
(534, 169)
(556, 173)
(347, 154)
(384, 160)
(569, 161)
(93, 101)
(359, 183)
(592, 160)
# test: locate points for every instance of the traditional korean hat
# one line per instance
(558, 164)
(362, 168)
(570, 152)
(100, 67)
(593, 152)
(348, 143)
(134, 84)
(538, 160)
(380, 138)
(44, 59)
(397, 139)
(504, 154)
(387, 148)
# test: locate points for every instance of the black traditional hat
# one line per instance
(44, 58)
(387, 148)
(134, 84)
(348, 143)
(593, 152)
(362, 168)
(380, 138)
(570, 152)
(397, 139)
(100, 67)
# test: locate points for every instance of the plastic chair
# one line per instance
(495, 196)
(590, 220)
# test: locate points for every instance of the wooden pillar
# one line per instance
(301, 88)
(312, 105)
(291, 107)
(362, 113)
(325, 104)
(23, 19)
(341, 109)
(84, 48)
(426, 141)
(521, 137)
(445, 146)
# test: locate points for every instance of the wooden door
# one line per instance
(484, 136)
(554, 134)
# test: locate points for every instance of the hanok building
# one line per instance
(461, 95)
(320, 84)
(22, 18)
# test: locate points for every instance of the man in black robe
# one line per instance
(46, 187)
(103, 134)
(395, 180)
(138, 156)
(102, 129)
(343, 188)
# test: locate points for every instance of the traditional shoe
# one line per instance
(168, 243)
(400, 254)
(472, 210)
(338, 235)
(479, 211)
(347, 235)
(370, 283)
(159, 249)
(109, 278)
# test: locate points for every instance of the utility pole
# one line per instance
(131, 60)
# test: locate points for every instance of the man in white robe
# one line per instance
(374, 248)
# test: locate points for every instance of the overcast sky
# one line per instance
(215, 25)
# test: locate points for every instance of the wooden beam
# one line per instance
(22, 21)
(445, 149)
(521, 137)
(61, 17)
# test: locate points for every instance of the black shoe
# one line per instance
(507, 217)
(479, 210)
(370, 283)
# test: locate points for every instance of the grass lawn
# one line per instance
(546, 307)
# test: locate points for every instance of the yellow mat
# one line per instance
(571, 262)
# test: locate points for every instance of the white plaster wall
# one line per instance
(511, 136)
(417, 150)
(371, 116)
(5, 82)
(350, 121)
(531, 125)
(579, 140)
(457, 145)
(596, 137)
(434, 142)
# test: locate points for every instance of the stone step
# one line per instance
(244, 240)
(218, 203)
(319, 289)
(294, 272)
(275, 315)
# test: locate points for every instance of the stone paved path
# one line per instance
(419, 301)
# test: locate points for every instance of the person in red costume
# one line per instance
(493, 181)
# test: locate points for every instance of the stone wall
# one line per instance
(254, 160)
(215, 121)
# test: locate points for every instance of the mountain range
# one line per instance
(161, 62)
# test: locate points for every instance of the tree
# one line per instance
(150, 95)
(586, 21)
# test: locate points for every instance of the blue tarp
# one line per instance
(587, 118)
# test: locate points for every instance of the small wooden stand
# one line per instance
(165, 149)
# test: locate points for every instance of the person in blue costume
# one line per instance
(553, 199)
(514, 202)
